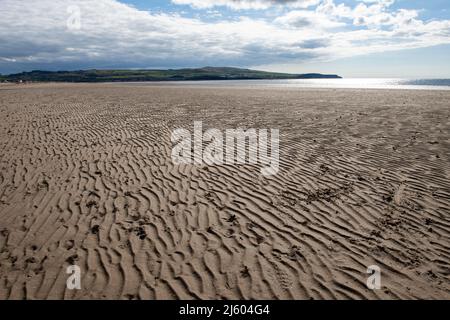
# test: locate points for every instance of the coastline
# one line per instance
(288, 84)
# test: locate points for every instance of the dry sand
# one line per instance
(87, 178)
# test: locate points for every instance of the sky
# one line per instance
(352, 38)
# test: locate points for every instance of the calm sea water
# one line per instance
(350, 83)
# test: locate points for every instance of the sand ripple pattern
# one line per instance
(86, 178)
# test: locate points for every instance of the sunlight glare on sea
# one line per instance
(346, 83)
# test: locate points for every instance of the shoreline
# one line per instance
(237, 84)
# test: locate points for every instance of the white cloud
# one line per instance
(246, 4)
(34, 34)
(308, 20)
(369, 13)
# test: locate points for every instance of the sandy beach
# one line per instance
(87, 179)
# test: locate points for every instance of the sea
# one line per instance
(346, 83)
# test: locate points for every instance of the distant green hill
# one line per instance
(207, 73)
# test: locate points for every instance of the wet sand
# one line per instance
(87, 178)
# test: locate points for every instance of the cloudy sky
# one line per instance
(354, 38)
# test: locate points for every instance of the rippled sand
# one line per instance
(87, 178)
